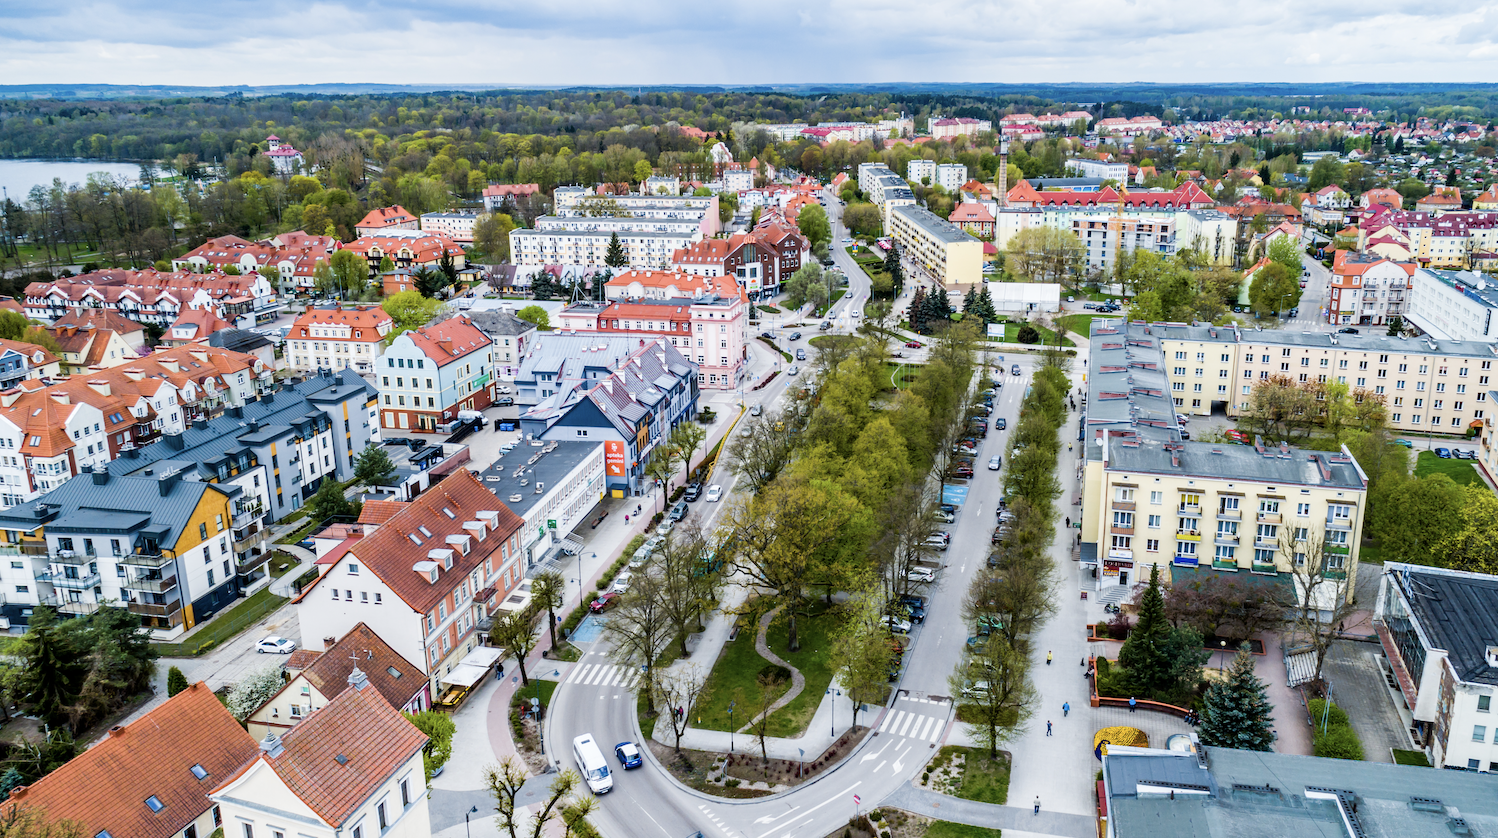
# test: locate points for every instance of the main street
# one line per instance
(596, 696)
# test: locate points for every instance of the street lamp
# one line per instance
(730, 726)
(1222, 660)
(835, 694)
(471, 811)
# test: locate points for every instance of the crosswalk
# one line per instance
(603, 675)
(923, 724)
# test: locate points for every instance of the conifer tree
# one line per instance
(615, 257)
(1144, 652)
(1236, 712)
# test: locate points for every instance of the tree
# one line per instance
(506, 782)
(995, 680)
(175, 681)
(252, 691)
(812, 220)
(1321, 602)
(689, 570)
(516, 632)
(328, 501)
(42, 681)
(491, 236)
(863, 220)
(861, 650)
(661, 467)
(680, 687)
(439, 728)
(39, 336)
(1046, 254)
(1236, 712)
(409, 310)
(536, 315)
(639, 630)
(615, 257)
(1474, 546)
(762, 454)
(769, 686)
(21, 821)
(546, 592)
(431, 283)
(1414, 516)
(1144, 654)
(373, 466)
(1285, 252)
(13, 324)
(686, 438)
(350, 272)
(801, 284)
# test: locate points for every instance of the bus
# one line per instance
(590, 763)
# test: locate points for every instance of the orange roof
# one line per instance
(106, 788)
(335, 759)
(98, 318)
(395, 678)
(385, 217)
(970, 214)
(365, 317)
(684, 283)
(449, 340)
(34, 354)
(379, 511)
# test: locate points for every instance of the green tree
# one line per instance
(896, 271)
(373, 466)
(800, 287)
(439, 728)
(615, 257)
(13, 324)
(1274, 289)
(1473, 547)
(1236, 712)
(515, 631)
(686, 438)
(409, 310)
(350, 272)
(812, 220)
(1046, 254)
(252, 691)
(1144, 653)
(328, 501)
(1396, 326)
(175, 681)
(862, 220)
(536, 315)
(1416, 515)
(994, 680)
(1284, 251)
(1327, 171)
(43, 680)
(547, 588)
(491, 236)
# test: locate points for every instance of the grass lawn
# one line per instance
(1462, 471)
(1079, 323)
(983, 779)
(733, 680)
(771, 344)
(224, 625)
(538, 689)
(836, 295)
(1402, 757)
(1047, 337)
(830, 341)
(901, 375)
(769, 309)
(813, 660)
(947, 829)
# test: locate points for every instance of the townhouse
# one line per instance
(26, 362)
(1151, 499)
(948, 253)
(338, 338)
(1426, 384)
(428, 375)
(313, 679)
(626, 391)
(408, 249)
(706, 318)
(293, 257)
(1369, 290)
(378, 221)
(149, 778)
(975, 218)
(353, 769)
(1437, 630)
(496, 194)
(508, 335)
(426, 577)
(1327, 206)
(92, 338)
(760, 260)
(148, 296)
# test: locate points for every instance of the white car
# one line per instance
(898, 625)
(977, 689)
(621, 584)
(793, 370)
(921, 574)
(502, 389)
(714, 493)
(274, 645)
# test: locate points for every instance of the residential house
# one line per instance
(89, 344)
(194, 327)
(428, 375)
(424, 577)
(149, 778)
(283, 157)
(1369, 290)
(317, 681)
(457, 226)
(353, 769)
(1391, 199)
(495, 194)
(293, 257)
(21, 361)
(157, 298)
(378, 221)
(628, 392)
(974, 218)
(1442, 199)
(1488, 200)
(508, 335)
(551, 487)
(338, 338)
(761, 260)
(407, 248)
(133, 333)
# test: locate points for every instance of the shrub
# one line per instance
(1336, 717)
(1339, 742)
(1027, 334)
(175, 681)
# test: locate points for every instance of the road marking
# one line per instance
(926, 729)
(906, 724)
(579, 672)
(875, 755)
(769, 818)
(941, 725)
(899, 765)
(880, 765)
(892, 721)
(831, 799)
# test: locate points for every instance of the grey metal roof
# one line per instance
(1468, 283)
(1224, 461)
(503, 323)
(124, 506)
(1264, 795)
(1329, 340)
(239, 340)
(936, 226)
(554, 462)
(1457, 611)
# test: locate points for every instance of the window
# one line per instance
(1157, 498)
(249, 831)
(405, 792)
(1484, 703)
(1227, 505)
(1152, 545)
(1154, 522)
(203, 531)
(1226, 553)
(380, 812)
(1479, 733)
(1268, 532)
(1124, 520)
(1269, 507)
(353, 569)
(1263, 556)
(154, 803)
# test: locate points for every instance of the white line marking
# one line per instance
(831, 799)
(925, 729)
(905, 724)
(941, 725)
(892, 722)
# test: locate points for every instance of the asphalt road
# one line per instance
(648, 802)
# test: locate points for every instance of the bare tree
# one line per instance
(761, 450)
(505, 782)
(516, 631)
(1321, 602)
(640, 629)
(995, 680)
(679, 688)
(690, 571)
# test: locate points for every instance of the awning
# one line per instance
(484, 656)
(465, 675)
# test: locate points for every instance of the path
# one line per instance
(992, 815)
(798, 681)
(285, 586)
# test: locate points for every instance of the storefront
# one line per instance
(466, 675)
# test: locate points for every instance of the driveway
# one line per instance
(1358, 686)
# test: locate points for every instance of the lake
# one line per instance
(18, 176)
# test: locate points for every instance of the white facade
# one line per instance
(1453, 305)
(457, 226)
(918, 171)
(738, 180)
(1099, 169)
(1023, 297)
(951, 176)
(589, 248)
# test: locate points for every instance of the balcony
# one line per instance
(1266, 543)
(64, 605)
(1124, 505)
(60, 579)
(1225, 564)
(251, 541)
(1186, 561)
(1338, 549)
(1270, 518)
(150, 609)
(249, 509)
(1189, 509)
(154, 560)
(1266, 569)
(1189, 535)
(154, 585)
(1117, 530)
(1227, 538)
(1339, 523)
(1230, 514)
(71, 557)
(26, 549)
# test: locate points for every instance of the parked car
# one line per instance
(949, 508)
(936, 542)
(1463, 454)
(1294, 312)
(628, 754)
(1347, 331)
(1239, 437)
(507, 401)
(598, 606)
(274, 645)
(503, 389)
(621, 583)
(678, 512)
(1406, 443)
(714, 493)
(921, 574)
(912, 344)
(943, 517)
(898, 625)
(693, 492)
(1443, 453)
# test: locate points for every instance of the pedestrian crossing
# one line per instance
(603, 675)
(913, 724)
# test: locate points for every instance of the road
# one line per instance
(648, 802)
(1313, 299)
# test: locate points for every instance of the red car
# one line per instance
(597, 606)
(911, 344)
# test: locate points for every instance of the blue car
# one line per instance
(1443, 453)
(628, 754)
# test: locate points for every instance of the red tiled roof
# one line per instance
(379, 511)
(385, 217)
(365, 318)
(450, 340)
(106, 787)
(970, 213)
(499, 190)
(395, 678)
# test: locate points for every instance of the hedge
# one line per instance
(1334, 736)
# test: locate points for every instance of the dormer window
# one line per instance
(1492, 656)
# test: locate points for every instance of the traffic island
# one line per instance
(746, 773)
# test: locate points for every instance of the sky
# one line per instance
(624, 42)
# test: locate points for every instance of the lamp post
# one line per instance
(730, 726)
(466, 830)
(1223, 659)
(835, 694)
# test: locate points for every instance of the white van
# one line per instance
(590, 763)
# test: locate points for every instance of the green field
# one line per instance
(1461, 471)
(901, 376)
(224, 625)
(1079, 323)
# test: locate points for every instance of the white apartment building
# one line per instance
(918, 171)
(457, 226)
(1106, 170)
(572, 202)
(1108, 231)
(590, 248)
(951, 176)
(947, 252)
(1453, 305)
(551, 486)
(338, 338)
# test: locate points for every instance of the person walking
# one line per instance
(1132, 703)
(1047, 658)
(1065, 709)
(1037, 804)
(1048, 727)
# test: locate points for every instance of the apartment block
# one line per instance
(575, 202)
(337, 338)
(1369, 290)
(428, 375)
(1453, 305)
(947, 252)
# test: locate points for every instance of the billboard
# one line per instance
(614, 457)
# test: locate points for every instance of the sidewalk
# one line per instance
(285, 586)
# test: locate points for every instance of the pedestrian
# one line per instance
(1065, 709)
(1047, 658)
(1048, 728)
(1068, 522)
(1132, 703)
(1037, 804)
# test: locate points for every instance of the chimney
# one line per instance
(101, 475)
(175, 442)
(9, 397)
(165, 482)
(200, 424)
(60, 398)
(327, 642)
(99, 386)
(1284, 448)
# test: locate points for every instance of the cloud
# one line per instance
(505, 42)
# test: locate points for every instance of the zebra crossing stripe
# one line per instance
(580, 672)
(906, 724)
(892, 721)
(941, 724)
